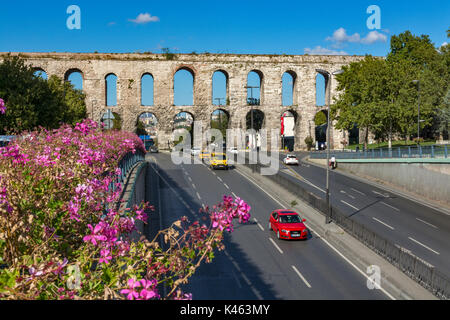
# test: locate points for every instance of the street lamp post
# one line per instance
(251, 111)
(418, 110)
(328, 77)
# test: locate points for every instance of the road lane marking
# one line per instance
(276, 246)
(383, 195)
(388, 205)
(220, 179)
(193, 186)
(357, 191)
(242, 274)
(383, 223)
(431, 225)
(301, 276)
(198, 196)
(342, 191)
(259, 224)
(190, 179)
(364, 274)
(234, 195)
(226, 186)
(426, 247)
(299, 177)
(350, 205)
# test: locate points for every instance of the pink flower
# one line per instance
(131, 293)
(149, 289)
(2, 106)
(94, 237)
(105, 256)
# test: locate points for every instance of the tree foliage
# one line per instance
(32, 101)
(379, 95)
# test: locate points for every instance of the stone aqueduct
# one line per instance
(130, 68)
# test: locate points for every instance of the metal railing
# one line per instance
(433, 151)
(125, 165)
(422, 272)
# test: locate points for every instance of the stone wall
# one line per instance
(129, 69)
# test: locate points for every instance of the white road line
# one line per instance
(357, 191)
(342, 191)
(259, 225)
(301, 276)
(388, 205)
(198, 196)
(431, 225)
(349, 205)
(234, 195)
(226, 186)
(426, 247)
(193, 186)
(276, 246)
(383, 195)
(364, 274)
(242, 274)
(220, 179)
(383, 223)
(190, 179)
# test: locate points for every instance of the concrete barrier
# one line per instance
(429, 180)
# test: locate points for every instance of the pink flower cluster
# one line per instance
(2, 106)
(141, 290)
(222, 217)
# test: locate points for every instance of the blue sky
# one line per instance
(232, 26)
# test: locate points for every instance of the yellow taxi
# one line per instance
(218, 161)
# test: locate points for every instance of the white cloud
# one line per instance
(144, 18)
(318, 50)
(444, 44)
(374, 36)
(340, 37)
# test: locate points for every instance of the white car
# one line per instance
(195, 151)
(291, 159)
(233, 150)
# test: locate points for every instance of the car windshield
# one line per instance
(292, 157)
(290, 218)
(220, 156)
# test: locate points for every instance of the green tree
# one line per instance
(32, 101)
(379, 94)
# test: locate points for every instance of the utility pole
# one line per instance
(251, 111)
(328, 77)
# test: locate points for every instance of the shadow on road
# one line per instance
(230, 275)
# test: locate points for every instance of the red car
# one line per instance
(287, 224)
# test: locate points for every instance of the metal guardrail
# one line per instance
(434, 151)
(125, 165)
(420, 271)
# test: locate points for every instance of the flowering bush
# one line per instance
(2, 106)
(62, 236)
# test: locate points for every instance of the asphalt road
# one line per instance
(410, 224)
(254, 265)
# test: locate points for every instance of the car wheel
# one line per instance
(270, 226)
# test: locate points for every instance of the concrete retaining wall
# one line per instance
(431, 181)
